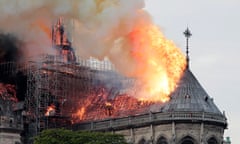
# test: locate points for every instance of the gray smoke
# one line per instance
(97, 27)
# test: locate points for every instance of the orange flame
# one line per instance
(108, 104)
(51, 110)
(80, 113)
(160, 63)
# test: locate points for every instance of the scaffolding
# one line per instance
(8, 71)
(50, 81)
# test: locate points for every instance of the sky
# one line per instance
(214, 47)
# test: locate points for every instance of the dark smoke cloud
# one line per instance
(9, 48)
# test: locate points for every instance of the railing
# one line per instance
(144, 119)
(92, 63)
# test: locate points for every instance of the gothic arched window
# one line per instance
(142, 141)
(187, 140)
(162, 140)
(212, 140)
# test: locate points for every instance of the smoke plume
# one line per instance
(118, 29)
(96, 26)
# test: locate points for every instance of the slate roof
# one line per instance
(190, 96)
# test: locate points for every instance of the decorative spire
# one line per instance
(187, 34)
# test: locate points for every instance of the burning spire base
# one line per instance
(61, 43)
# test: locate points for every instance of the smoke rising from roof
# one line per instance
(97, 27)
(118, 29)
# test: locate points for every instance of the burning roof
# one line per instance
(146, 62)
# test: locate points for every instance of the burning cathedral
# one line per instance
(55, 91)
(143, 88)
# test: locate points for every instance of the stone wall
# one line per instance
(169, 128)
(10, 138)
(173, 133)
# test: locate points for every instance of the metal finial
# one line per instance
(187, 34)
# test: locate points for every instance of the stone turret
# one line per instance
(190, 99)
(11, 124)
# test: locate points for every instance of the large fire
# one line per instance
(98, 105)
(96, 26)
(160, 62)
(159, 66)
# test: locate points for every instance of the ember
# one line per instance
(51, 110)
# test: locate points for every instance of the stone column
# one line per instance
(201, 133)
(132, 135)
(152, 134)
(173, 133)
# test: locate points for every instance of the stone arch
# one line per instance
(162, 140)
(142, 141)
(212, 140)
(11, 122)
(187, 140)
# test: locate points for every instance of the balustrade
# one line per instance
(150, 118)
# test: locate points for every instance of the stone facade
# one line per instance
(10, 130)
(10, 138)
(11, 122)
(175, 133)
(164, 128)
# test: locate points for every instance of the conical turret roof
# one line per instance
(190, 96)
